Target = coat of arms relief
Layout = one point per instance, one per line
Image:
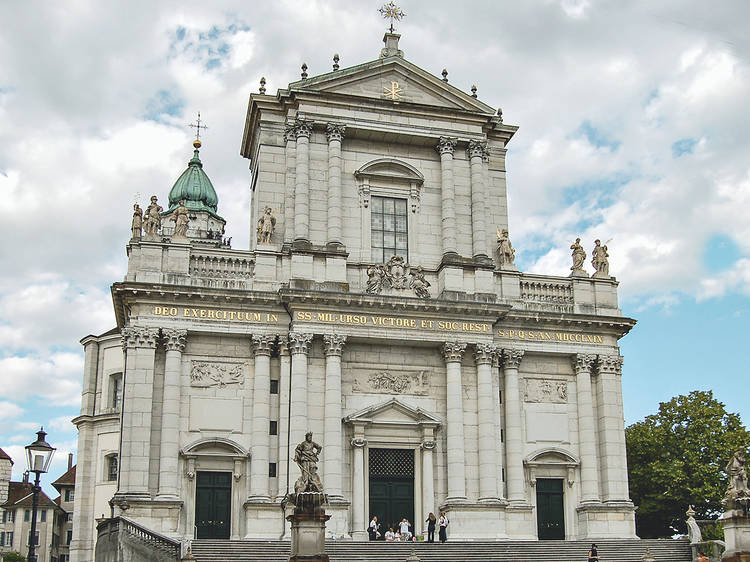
(396, 276)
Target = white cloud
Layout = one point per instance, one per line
(8, 410)
(56, 379)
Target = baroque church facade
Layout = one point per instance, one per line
(379, 308)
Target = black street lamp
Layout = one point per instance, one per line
(38, 457)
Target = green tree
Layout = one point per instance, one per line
(676, 458)
(13, 557)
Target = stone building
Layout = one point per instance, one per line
(376, 308)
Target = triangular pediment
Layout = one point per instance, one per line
(393, 79)
(393, 412)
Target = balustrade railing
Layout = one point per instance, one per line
(232, 270)
(547, 294)
(167, 548)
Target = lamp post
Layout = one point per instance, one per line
(38, 458)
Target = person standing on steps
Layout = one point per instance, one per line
(593, 554)
(431, 521)
(443, 524)
(404, 527)
(372, 530)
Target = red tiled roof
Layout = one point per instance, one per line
(20, 495)
(67, 479)
(4, 455)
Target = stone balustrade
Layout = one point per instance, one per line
(222, 268)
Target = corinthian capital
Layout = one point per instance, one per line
(263, 344)
(453, 351)
(485, 353)
(174, 340)
(138, 336)
(476, 149)
(289, 134)
(284, 346)
(512, 358)
(609, 365)
(299, 343)
(334, 344)
(302, 128)
(335, 132)
(446, 145)
(583, 362)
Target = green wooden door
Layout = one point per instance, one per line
(550, 516)
(391, 486)
(213, 504)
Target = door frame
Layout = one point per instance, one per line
(417, 477)
(562, 507)
(231, 500)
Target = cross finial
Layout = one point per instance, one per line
(392, 12)
(197, 126)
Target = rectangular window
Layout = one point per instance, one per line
(5, 516)
(27, 515)
(273, 427)
(69, 495)
(388, 226)
(12, 515)
(9, 538)
(501, 396)
(43, 516)
(36, 538)
(2, 538)
(116, 390)
(69, 537)
(112, 468)
(272, 469)
(274, 386)
(502, 436)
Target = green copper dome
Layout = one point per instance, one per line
(194, 187)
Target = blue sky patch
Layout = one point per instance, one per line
(720, 253)
(596, 137)
(163, 103)
(207, 47)
(683, 146)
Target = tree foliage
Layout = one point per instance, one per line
(676, 458)
(13, 557)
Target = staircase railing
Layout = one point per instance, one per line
(168, 548)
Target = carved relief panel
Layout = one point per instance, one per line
(389, 382)
(205, 374)
(551, 391)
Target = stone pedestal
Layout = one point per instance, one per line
(309, 528)
(736, 525)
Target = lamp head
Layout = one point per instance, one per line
(39, 453)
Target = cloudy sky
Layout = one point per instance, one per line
(634, 127)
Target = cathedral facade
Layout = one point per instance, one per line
(379, 308)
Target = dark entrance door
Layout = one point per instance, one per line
(213, 503)
(391, 486)
(550, 516)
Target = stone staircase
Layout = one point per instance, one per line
(452, 551)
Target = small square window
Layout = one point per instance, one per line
(69, 537)
(273, 427)
(502, 436)
(274, 386)
(272, 469)
(112, 468)
(43, 516)
(27, 515)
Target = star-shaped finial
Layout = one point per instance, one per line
(392, 12)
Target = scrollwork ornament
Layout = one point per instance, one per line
(334, 344)
(453, 351)
(299, 343)
(174, 340)
(609, 365)
(446, 145)
(428, 444)
(358, 442)
(485, 353)
(512, 358)
(583, 363)
(139, 336)
(263, 344)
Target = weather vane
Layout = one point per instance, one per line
(197, 126)
(393, 12)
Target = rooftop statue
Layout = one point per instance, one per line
(600, 259)
(506, 253)
(136, 226)
(579, 256)
(152, 217)
(266, 226)
(181, 220)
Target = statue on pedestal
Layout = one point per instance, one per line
(152, 217)
(136, 226)
(306, 457)
(181, 220)
(505, 251)
(600, 259)
(737, 486)
(266, 226)
(579, 256)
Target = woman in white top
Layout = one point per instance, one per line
(404, 526)
(443, 524)
(389, 535)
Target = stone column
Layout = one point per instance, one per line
(137, 403)
(261, 440)
(174, 342)
(302, 132)
(613, 462)
(513, 438)
(582, 364)
(476, 153)
(488, 430)
(284, 377)
(445, 147)
(335, 134)
(332, 459)
(452, 352)
(299, 345)
(359, 523)
(498, 423)
(428, 478)
(291, 168)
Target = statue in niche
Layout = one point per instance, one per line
(306, 457)
(152, 217)
(600, 259)
(419, 284)
(579, 256)
(266, 226)
(136, 226)
(735, 469)
(506, 253)
(181, 220)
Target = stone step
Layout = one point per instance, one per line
(452, 551)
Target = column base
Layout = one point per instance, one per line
(264, 520)
(604, 520)
(475, 520)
